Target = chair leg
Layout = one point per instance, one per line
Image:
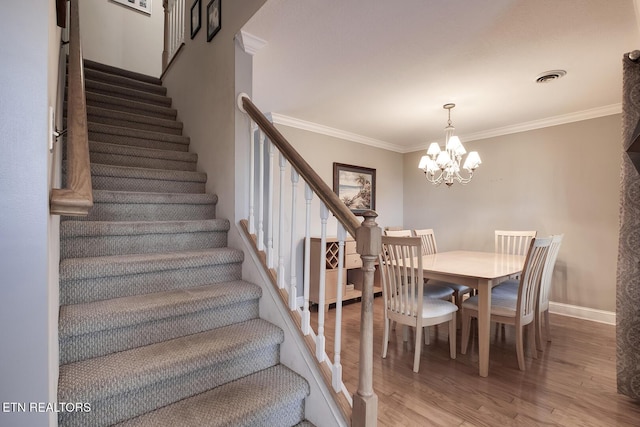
(466, 320)
(405, 333)
(538, 330)
(427, 335)
(453, 330)
(532, 339)
(416, 357)
(385, 338)
(457, 297)
(519, 347)
(547, 325)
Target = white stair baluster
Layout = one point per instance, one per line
(336, 374)
(261, 193)
(306, 315)
(281, 273)
(272, 152)
(294, 280)
(252, 179)
(320, 339)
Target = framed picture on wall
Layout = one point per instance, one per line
(355, 186)
(141, 5)
(214, 19)
(196, 16)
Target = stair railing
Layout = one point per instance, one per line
(174, 30)
(266, 227)
(77, 198)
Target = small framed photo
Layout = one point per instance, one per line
(213, 18)
(355, 186)
(140, 5)
(196, 15)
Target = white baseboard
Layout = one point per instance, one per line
(601, 316)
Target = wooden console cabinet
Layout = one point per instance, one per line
(351, 273)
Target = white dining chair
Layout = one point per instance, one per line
(509, 289)
(519, 312)
(434, 290)
(404, 300)
(430, 247)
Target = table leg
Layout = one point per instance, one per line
(484, 327)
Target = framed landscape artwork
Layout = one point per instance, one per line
(141, 5)
(355, 186)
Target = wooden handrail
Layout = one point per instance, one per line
(317, 184)
(77, 198)
(368, 244)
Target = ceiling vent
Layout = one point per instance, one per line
(549, 76)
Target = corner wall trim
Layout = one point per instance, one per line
(586, 313)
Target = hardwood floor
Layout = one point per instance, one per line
(572, 383)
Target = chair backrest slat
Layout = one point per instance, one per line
(429, 246)
(513, 242)
(401, 271)
(530, 278)
(547, 272)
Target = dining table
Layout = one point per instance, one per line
(478, 270)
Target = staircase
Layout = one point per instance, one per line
(157, 327)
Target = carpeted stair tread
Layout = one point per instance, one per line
(125, 228)
(121, 72)
(78, 319)
(132, 156)
(305, 423)
(127, 93)
(147, 206)
(102, 238)
(133, 197)
(130, 264)
(131, 120)
(118, 80)
(257, 400)
(129, 106)
(118, 131)
(117, 373)
(124, 178)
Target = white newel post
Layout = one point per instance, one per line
(336, 375)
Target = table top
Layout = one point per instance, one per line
(482, 265)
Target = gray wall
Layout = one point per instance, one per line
(320, 151)
(561, 179)
(118, 35)
(26, 75)
(201, 83)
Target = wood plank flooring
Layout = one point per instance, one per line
(572, 383)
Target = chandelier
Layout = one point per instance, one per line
(444, 165)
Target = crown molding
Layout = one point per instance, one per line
(578, 116)
(593, 113)
(329, 131)
(250, 43)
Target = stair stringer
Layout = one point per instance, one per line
(320, 405)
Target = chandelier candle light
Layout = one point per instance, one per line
(446, 163)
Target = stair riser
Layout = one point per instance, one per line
(116, 104)
(115, 80)
(147, 212)
(141, 184)
(127, 93)
(90, 246)
(95, 118)
(121, 407)
(137, 142)
(75, 291)
(100, 343)
(142, 162)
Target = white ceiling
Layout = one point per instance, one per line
(379, 72)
